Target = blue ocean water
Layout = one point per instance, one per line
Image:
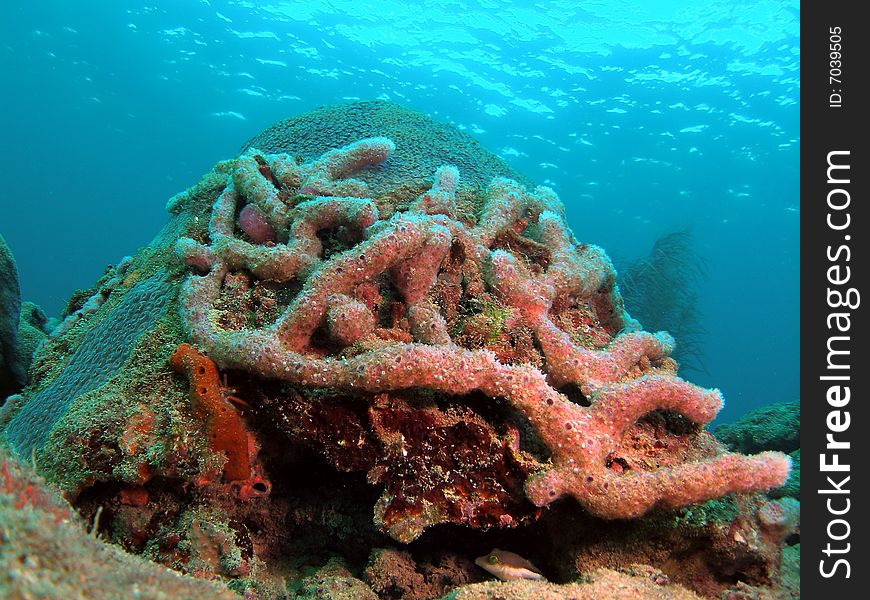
(645, 117)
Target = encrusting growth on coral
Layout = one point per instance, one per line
(224, 425)
(312, 229)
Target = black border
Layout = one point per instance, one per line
(825, 129)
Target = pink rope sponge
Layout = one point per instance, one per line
(314, 232)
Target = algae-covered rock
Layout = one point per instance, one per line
(33, 329)
(23, 327)
(639, 582)
(333, 581)
(47, 552)
(12, 373)
(772, 427)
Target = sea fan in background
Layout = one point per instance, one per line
(662, 292)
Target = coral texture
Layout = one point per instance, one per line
(334, 252)
(104, 350)
(33, 328)
(46, 551)
(422, 145)
(772, 427)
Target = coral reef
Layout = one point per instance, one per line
(623, 381)
(333, 581)
(792, 486)
(365, 352)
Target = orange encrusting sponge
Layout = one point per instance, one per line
(224, 425)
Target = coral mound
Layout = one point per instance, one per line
(431, 262)
(366, 332)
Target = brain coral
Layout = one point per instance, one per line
(421, 145)
(102, 352)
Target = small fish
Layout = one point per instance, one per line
(508, 566)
